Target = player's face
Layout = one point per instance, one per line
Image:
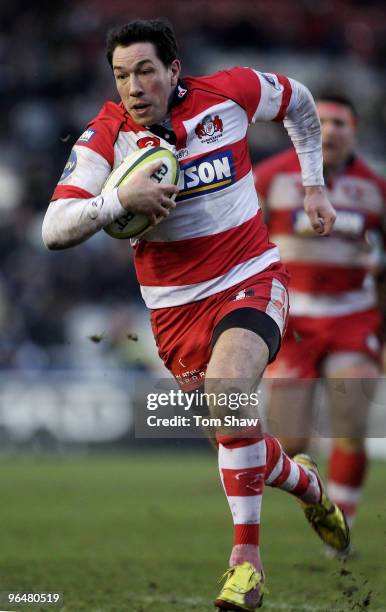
(144, 83)
(338, 132)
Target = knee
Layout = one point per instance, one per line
(223, 396)
(238, 354)
(349, 428)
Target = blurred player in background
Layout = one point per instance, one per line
(334, 328)
(214, 283)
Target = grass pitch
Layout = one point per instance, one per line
(153, 532)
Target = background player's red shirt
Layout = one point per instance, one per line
(330, 275)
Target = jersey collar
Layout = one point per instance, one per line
(179, 94)
(165, 131)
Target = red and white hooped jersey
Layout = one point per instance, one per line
(331, 275)
(214, 238)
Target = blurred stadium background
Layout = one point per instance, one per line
(65, 317)
(75, 340)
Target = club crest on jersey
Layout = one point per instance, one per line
(210, 129)
(69, 167)
(206, 174)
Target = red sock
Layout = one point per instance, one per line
(242, 468)
(285, 474)
(346, 474)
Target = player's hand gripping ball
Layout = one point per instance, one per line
(132, 225)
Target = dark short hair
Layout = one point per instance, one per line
(338, 99)
(156, 31)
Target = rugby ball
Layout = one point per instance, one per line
(132, 225)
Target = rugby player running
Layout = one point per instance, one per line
(214, 284)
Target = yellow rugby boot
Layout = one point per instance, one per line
(243, 589)
(325, 517)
